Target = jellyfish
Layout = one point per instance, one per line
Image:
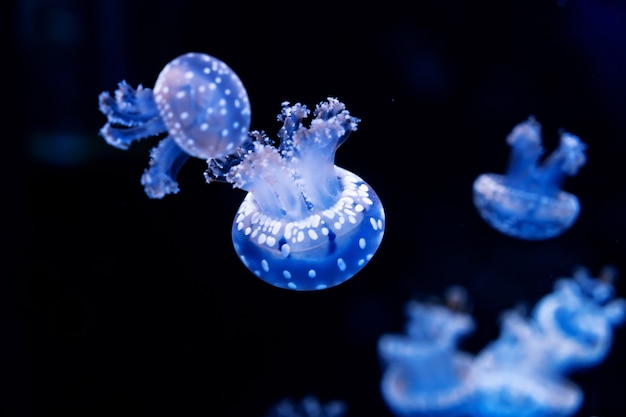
(426, 375)
(198, 102)
(578, 318)
(528, 202)
(305, 223)
(523, 373)
(309, 406)
(514, 375)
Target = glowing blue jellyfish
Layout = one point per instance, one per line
(308, 407)
(527, 202)
(197, 100)
(579, 317)
(426, 375)
(514, 375)
(305, 224)
(523, 373)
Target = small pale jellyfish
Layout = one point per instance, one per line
(305, 224)
(197, 100)
(528, 203)
(426, 374)
(578, 318)
(524, 372)
(514, 375)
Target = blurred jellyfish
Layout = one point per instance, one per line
(521, 374)
(515, 377)
(527, 202)
(578, 319)
(425, 373)
(309, 406)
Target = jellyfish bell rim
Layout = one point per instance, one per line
(439, 402)
(307, 267)
(550, 396)
(510, 210)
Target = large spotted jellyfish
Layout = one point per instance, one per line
(198, 101)
(528, 203)
(305, 223)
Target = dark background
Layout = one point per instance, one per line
(117, 305)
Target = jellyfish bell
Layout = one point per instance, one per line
(527, 202)
(204, 105)
(523, 214)
(317, 251)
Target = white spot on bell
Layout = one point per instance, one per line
(341, 264)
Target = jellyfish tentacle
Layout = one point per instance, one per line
(314, 151)
(526, 149)
(291, 117)
(122, 138)
(305, 224)
(567, 159)
(134, 111)
(130, 107)
(166, 159)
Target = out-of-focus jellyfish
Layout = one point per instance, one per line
(305, 224)
(514, 375)
(197, 100)
(309, 406)
(527, 202)
(521, 374)
(578, 319)
(426, 375)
